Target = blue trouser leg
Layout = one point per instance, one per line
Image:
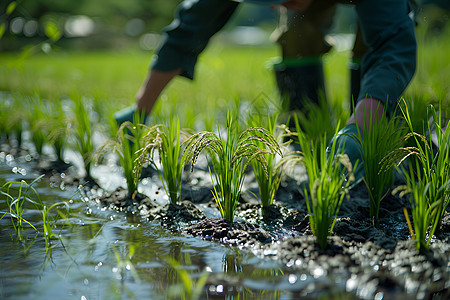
(389, 65)
(196, 21)
(386, 68)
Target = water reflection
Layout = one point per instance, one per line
(105, 254)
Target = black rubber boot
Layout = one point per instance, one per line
(355, 83)
(300, 85)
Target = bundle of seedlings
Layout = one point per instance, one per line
(127, 143)
(318, 119)
(57, 126)
(19, 196)
(35, 118)
(230, 156)
(377, 141)
(167, 140)
(329, 177)
(12, 119)
(428, 177)
(268, 180)
(81, 132)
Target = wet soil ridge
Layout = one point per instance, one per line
(364, 260)
(381, 259)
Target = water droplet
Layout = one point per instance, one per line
(351, 283)
(290, 263)
(292, 278)
(219, 288)
(379, 296)
(318, 272)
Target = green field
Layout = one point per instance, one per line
(223, 73)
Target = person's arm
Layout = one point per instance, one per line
(194, 24)
(153, 85)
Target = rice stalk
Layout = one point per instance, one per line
(82, 133)
(268, 180)
(428, 178)
(126, 144)
(232, 155)
(35, 118)
(168, 141)
(377, 142)
(17, 194)
(328, 183)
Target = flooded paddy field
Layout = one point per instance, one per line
(107, 248)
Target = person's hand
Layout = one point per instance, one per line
(297, 4)
(129, 114)
(348, 141)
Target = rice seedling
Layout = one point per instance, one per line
(230, 157)
(126, 145)
(82, 133)
(376, 143)
(431, 170)
(125, 264)
(321, 118)
(268, 180)
(57, 125)
(422, 212)
(167, 140)
(328, 183)
(16, 203)
(35, 118)
(191, 288)
(49, 223)
(11, 118)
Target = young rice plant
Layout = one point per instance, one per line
(17, 194)
(431, 192)
(167, 140)
(377, 142)
(268, 180)
(328, 183)
(233, 155)
(82, 132)
(126, 145)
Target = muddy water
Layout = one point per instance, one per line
(105, 254)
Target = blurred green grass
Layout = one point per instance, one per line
(223, 73)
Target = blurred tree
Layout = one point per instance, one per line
(110, 16)
(156, 13)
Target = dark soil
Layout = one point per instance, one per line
(371, 260)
